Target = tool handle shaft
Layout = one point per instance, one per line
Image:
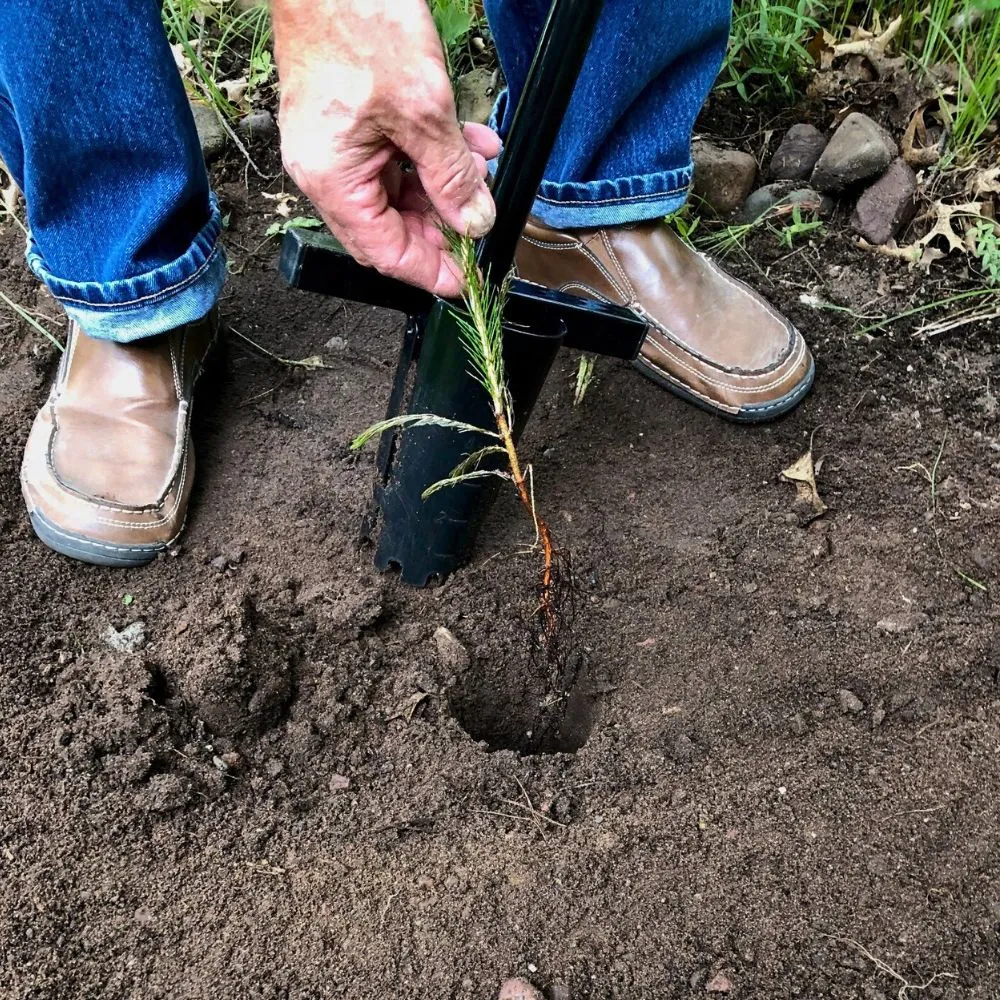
(548, 89)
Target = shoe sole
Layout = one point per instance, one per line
(88, 551)
(745, 415)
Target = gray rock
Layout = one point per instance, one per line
(722, 177)
(474, 96)
(859, 151)
(779, 198)
(796, 157)
(259, 125)
(129, 640)
(452, 654)
(211, 134)
(850, 703)
(336, 344)
(888, 205)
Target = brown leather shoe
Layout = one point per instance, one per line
(712, 340)
(108, 467)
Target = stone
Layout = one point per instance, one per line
(888, 205)
(722, 177)
(474, 96)
(259, 125)
(859, 150)
(452, 654)
(518, 989)
(129, 640)
(766, 202)
(211, 134)
(850, 703)
(336, 343)
(719, 983)
(797, 154)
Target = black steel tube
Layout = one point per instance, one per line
(554, 71)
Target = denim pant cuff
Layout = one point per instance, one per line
(129, 309)
(612, 202)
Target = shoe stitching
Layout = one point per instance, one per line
(798, 345)
(588, 254)
(749, 293)
(115, 522)
(663, 373)
(168, 515)
(632, 297)
(784, 403)
(548, 246)
(175, 459)
(593, 292)
(715, 382)
(157, 546)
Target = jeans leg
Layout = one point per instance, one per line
(624, 151)
(96, 127)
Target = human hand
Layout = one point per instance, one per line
(370, 134)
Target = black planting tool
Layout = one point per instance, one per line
(427, 539)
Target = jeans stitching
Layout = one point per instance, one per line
(621, 200)
(146, 299)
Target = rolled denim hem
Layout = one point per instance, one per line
(129, 309)
(612, 203)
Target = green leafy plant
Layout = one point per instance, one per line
(228, 47)
(585, 375)
(455, 20)
(986, 239)
(481, 332)
(299, 222)
(796, 228)
(767, 55)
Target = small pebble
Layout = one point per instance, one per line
(130, 640)
(849, 702)
(719, 983)
(452, 654)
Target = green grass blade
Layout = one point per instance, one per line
(417, 420)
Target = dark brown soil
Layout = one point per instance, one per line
(790, 735)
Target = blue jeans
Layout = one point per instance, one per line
(96, 129)
(624, 152)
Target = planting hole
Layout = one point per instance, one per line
(516, 706)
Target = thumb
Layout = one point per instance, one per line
(451, 178)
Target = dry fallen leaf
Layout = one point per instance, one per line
(915, 255)
(234, 89)
(915, 146)
(985, 182)
(803, 474)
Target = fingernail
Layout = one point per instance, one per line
(479, 214)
